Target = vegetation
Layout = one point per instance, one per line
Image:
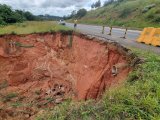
(9, 96)
(16, 104)
(77, 14)
(96, 4)
(137, 99)
(128, 13)
(112, 1)
(7, 15)
(49, 17)
(32, 27)
(81, 13)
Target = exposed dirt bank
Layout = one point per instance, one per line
(46, 69)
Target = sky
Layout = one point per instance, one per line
(51, 7)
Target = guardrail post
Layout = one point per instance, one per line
(110, 32)
(125, 34)
(103, 29)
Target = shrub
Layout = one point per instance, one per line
(125, 12)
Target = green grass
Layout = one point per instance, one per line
(16, 104)
(128, 13)
(9, 97)
(32, 27)
(137, 99)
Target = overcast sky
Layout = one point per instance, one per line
(52, 7)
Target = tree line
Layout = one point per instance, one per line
(8, 15)
(108, 2)
(96, 4)
(82, 12)
(76, 14)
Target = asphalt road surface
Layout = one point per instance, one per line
(116, 36)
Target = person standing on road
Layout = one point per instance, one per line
(75, 23)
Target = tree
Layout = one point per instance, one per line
(7, 15)
(15, 17)
(96, 4)
(73, 13)
(20, 12)
(80, 13)
(29, 16)
(108, 2)
(2, 22)
(93, 6)
(76, 14)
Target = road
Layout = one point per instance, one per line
(117, 34)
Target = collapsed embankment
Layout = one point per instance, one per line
(45, 69)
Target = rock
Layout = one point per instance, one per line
(27, 115)
(63, 89)
(59, 100)
(40, 40)
(54, 93)
(147, 8)
(49, 92)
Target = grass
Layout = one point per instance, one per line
(32, 27)
(137, 99)
(16, 104)
(9, 97)
(128, 13)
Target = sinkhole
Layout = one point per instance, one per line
(61, 65)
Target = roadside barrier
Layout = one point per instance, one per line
(110, 32)
(125, 34)
(103, 29)
(156, 38)
(150, 36)
(146, 33)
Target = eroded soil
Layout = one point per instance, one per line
(43, 70)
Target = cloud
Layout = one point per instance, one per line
(52, 7)
(62, 3)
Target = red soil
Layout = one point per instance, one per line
(54, 69)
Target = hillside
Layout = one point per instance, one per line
(129, 13)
